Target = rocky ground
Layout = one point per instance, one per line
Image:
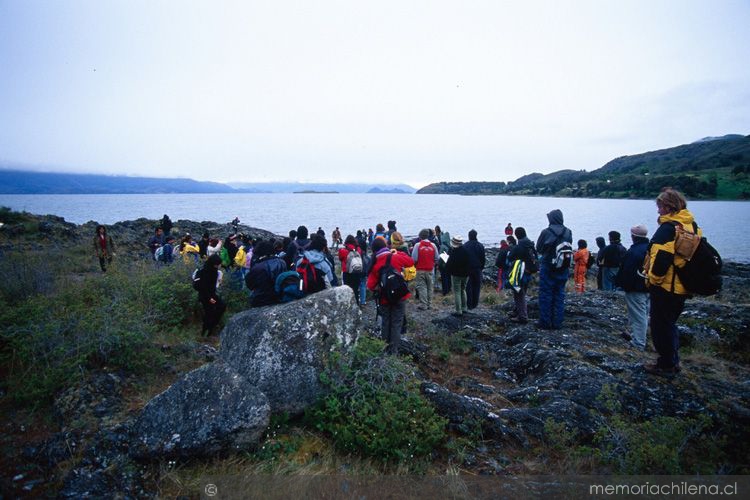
(497, 381)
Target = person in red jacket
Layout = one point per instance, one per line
(425, 255)
(392, 315)
(349, 277)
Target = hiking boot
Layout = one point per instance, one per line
(626, 336)
(520, 321)
(654, 369)
(458, 315)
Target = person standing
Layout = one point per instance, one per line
(630, 279)
(352, 277)
(600, 244)
(458, 269)
(666, 291)
(425, 255)
(203, 245)
(581, 262)
(261, 278)
(552, 278)
(445, 248)
(213, 306)
(508, 230)
(156, 240)
(392, 315)
(104, 248)
(477, 260)
(611, 260)
(523, 250)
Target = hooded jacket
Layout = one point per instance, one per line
(662, 259)
(550, 237)
(261, 280)
(318, 259)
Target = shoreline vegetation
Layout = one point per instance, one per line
(83, 352)
(710, 169)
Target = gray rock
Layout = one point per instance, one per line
(464, 412)
(282, 349)
(212, 408)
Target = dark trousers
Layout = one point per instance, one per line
(393, 317)
(473, 286)
(552, 297)
(103, 261)
(212, 314)
(665, 310)
(519, 298)
(352, 281)
(445, 281)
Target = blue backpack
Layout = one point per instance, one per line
(289, 286)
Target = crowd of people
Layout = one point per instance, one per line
(393, 269)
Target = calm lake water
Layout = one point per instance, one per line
(723, 222)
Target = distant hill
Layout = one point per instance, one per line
(14, 181)
(296, 187)
(711, 168)
(26, 182)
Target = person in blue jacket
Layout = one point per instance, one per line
(552, 280)
(633, 282)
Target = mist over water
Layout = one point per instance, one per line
(723, 222)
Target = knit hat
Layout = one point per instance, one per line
(457, 241)
(639, 230)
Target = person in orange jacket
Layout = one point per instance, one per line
(581, 259)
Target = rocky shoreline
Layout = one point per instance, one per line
(514, 384)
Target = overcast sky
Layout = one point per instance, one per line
(380, 91)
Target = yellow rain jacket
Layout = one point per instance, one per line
(661, 259)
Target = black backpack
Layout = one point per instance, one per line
(393, 286)
(701, 274)
(195, 278)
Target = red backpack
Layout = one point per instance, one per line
(426, 251)
(312, 277)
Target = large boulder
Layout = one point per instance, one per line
(210, 409)
(282, 349)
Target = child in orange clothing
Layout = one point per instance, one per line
(581, 259)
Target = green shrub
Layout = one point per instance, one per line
(375, 406)
(50, 341)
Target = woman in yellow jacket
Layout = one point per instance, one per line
(189, 250)
(666, 291)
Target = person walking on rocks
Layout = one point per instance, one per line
(477, 260)
(554, 268)
(611, 260)
(458, 268)
(630, 279)
(213, 306)
(104, 248)
(392, 315)
(425, 255)
(666, 290)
